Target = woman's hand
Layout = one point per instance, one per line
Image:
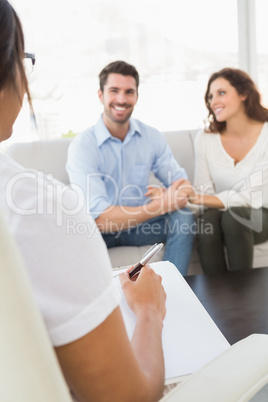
(197, 199)
(209, 201)
(185, 187)
(146, 292)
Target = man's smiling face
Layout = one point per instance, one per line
(119, 96)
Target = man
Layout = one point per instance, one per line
(112, 162)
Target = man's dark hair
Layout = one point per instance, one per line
(118, 67)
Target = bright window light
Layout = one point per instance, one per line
(175, 45)
(262, 47)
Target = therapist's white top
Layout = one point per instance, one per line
(64, 253)
(241, 184)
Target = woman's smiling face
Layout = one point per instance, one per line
(225, 102)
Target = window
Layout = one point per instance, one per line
(262, 48)
(174, 44)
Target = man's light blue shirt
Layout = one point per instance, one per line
(115, 172)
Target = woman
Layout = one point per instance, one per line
(71, 274)
(231, 175)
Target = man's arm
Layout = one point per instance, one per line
(104, 365)
(119, 217)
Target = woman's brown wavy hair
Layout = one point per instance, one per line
(244, 85)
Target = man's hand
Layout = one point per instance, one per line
(176, 196)
(185, 187)
(173, 198)
(119, 217)
(155, 192)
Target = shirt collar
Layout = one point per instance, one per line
(133, 127)
(102, 133)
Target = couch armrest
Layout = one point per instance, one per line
(29, 369)
(236, 375)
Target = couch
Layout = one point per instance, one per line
(49, 156)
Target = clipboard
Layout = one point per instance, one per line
(190, 337)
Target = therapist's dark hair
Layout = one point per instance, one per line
(244, 85)
(118, 67)
(11, 49)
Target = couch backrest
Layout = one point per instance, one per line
(50, 156)
(181, 143)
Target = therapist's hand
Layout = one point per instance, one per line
(146, 293)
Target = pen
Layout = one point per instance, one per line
(145, 259)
